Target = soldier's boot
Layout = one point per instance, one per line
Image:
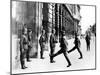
(23, 65)
(27, 55)
(41, 55)
(28, 60)
(68, 65)
(81, 56)
(51, 59)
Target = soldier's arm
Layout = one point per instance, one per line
(21, 41)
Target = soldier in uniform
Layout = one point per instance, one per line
(52, 44)
(42, 42)
(23, 48)
(87, 38)
(77, 46)
(63, 45)
(29, 44)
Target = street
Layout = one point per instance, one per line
(44, 65)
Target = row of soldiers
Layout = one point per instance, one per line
(25, 45)
(63, 46)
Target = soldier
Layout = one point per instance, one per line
(63, 45)
(42, 42)
(77, 46)
(52, 44)
(23, 48)
(29, 44)
(87, 38)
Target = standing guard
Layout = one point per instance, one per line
(87, 38)
(29, 44)
(53, 41)
(42, 42)
(23, 48)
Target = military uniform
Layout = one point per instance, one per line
(87, 38)
(23, 49)
(42, 42)
(52, 46)
(29, 46)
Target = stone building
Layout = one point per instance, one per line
(61, 17)
(38, 16)
(70, 18)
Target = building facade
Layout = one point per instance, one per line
(62, 17)
(71, 18)
(39, 16)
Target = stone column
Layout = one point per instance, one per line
(58, 21)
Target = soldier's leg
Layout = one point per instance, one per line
(52, 51)
(27, 54)
(89, 45)
(54, 55)
(66, 57)
(80, 53)
(72, 49)
(41, 53)
(22, 59)
(24, 55)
